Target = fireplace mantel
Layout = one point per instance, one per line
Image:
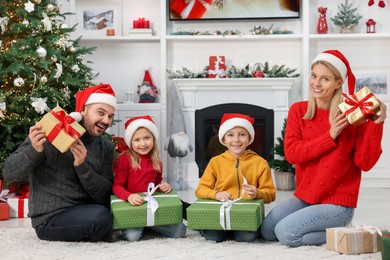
(194, 94)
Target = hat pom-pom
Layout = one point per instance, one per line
(76, 116)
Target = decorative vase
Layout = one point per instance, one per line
(284, 181)
(346, 28)
(322, 25)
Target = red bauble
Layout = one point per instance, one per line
(258, 74)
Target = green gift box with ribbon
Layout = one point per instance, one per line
(245, 215)
(169, 211)
(386, 246)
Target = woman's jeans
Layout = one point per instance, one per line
(83, 222)
(172, 231)
(297, 223)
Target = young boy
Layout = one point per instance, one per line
(224, 176)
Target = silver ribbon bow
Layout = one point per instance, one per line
(5, 195)
(152, 204)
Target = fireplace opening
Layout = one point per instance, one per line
(207, 122)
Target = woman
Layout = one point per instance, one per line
(329, 155)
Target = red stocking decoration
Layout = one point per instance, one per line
(370, 3)
(382, 4)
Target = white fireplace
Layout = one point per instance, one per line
(195, 94)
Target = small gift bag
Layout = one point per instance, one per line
(360, 106)
(386, 246)
(61, 129)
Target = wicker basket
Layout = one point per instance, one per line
(284, 180)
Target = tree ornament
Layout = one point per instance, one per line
(29, 7)
(39, 105)
(18, 82)
(37, 1)
(53, 58)
(3, 23)
(59, 71)
(43, 79)
(50, 7)
(66, 92)
(46, 22)
(72, 49)
(25, 22)
(63, 26)
(75, 68)
(41, 52)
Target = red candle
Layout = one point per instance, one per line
(110, 32)
(141, 22)
(147, 24)
(136, 24)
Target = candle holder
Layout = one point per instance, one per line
(129, 96)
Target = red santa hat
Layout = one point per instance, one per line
(136, 122)
(338, 60)
(148, 78)
(230, 121)
(97, 94)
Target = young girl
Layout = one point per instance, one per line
(138, 167)
(224, 175)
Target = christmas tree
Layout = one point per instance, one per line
(40, 67)
(346, 17)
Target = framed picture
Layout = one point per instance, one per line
(95, 18)
(231, 10)
(376, 79)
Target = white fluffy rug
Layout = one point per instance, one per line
(22, 243)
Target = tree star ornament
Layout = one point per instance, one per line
(18, 82)
(41, 52)
(46, 22)
(75, 68)
(40, 105)
(29, 7)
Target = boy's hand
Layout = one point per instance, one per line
(223, 195)
(135, 200)
(165, 187)
(250, 190)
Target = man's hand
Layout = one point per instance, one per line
(79, 152)
(37, 137)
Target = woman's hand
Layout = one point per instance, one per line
(135, 200)
(165, 187)
(37, 137)
(337, 126)
(250, 190)
(223, 195)
(383, 110)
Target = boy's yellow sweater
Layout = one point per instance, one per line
(225, 173)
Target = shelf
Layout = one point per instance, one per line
(350, 36)
(273, 37)
(129, 38)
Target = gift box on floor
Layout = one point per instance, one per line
(4, 211)
(360, 106)
(169, 211)
(245, 215)
(61, 129)
(386, 246)
(18, 207)
(190, 9)
(354, 240)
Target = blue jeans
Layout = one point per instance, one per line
(172, 231)
(222, 235)
(297, 223)
(91, 222)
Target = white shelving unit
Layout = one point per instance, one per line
(121, 59)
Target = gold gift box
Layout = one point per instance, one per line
(358, 113)
(351, 240)
(55, 132)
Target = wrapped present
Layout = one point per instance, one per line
(360, 106)
(386, 246)
(193, 9)
(245, 215)
(354, 240)
(4, 211)
(61, 130)
(160, 209)
(217, 67)
(11, 187)
(18, 207)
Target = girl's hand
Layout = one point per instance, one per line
(165, 187)
(250, 190)
(379, 119)
(135, 199)
(37, 137)
(223, 195)
(337, 126)
(79, 152)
